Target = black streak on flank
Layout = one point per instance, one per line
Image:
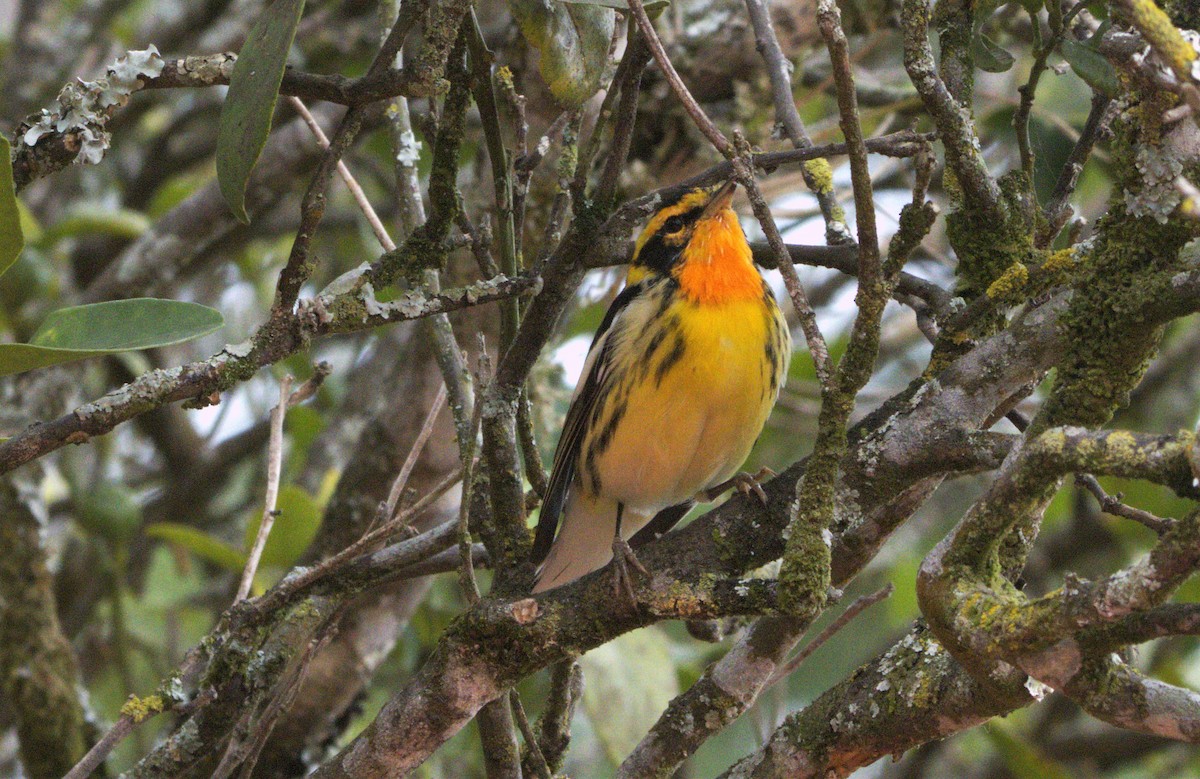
(593, 473)
(606, 434)
(674, 356)
(652, 348)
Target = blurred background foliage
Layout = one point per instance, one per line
(149, 525)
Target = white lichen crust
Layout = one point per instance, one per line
(84, 107)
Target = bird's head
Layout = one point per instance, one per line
(698, 240)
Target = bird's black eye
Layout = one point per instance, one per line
(673, 225)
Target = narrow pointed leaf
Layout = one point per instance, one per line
(198, 543)
(92, 220)
(71, 334)
(990, 56)
(250, 102)
(1091, 66)
(294, 529)
(11, 238)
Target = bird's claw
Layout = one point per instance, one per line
(745, 484)
(623, 560)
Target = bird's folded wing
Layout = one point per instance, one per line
(587, 394)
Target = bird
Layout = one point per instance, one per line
(677, 385)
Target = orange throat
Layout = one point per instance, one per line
(716, 266)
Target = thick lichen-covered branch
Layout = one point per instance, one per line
(912, 694)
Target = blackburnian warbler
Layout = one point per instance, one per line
(677, 385)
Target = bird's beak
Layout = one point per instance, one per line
(720, 200)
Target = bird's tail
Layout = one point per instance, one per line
(584, 540)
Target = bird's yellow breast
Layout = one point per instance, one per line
(690, 387)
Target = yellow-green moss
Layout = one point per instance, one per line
(141, 708)
(819, 175)
(1156, 27)
(1110, 343)
(1010, 284)
(1060, 263)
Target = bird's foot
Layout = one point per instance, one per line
(623, 561)
(744, 482)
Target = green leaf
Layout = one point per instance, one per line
(250, 102)
(198, 543)
(572, 42)
(1097, 8)
(1091, 66)
(294, 529)
(637, 671)
(990, 56)
(71, 334)
(121, 222)
(29, 223)
(11, 238)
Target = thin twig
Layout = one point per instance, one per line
(637, 55)
(405, 151)
(405, 147)
(298, 582)
(274, 468)
(414, 453)
(791, 280)
(1058, 210)
(554, 728)
(308, 389)
(1111, 504)
(626, 70)
(485, 100)
(101, 750)
(853, 610)
(466, 567)
(356, 191)
(829, 21)
(121, 729)
(445, 561)
(528, 162)
(531, 742)
(530, 452)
